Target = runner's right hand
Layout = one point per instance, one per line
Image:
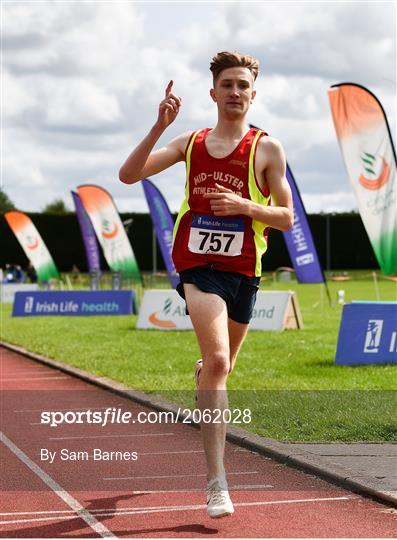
(169, 107)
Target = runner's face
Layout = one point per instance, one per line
(233, 91)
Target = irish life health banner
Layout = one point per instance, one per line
(109, 229)
(163, 225)
(370, 159)
(88, 234)
(299, 240)
(33, 245)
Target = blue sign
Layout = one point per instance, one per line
(368, 334)
(215, 223)
(299, 239)
(27, 304)
(163, 223)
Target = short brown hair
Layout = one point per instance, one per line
(225, 59)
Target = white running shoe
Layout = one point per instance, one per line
(199, 365)
(218, 500)
(197, 371)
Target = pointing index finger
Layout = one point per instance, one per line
(169, 88)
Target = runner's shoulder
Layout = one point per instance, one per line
(180, 142)
(271, 149)
(270, 144)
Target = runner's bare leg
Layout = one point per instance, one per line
(237, 334)
(208, 313)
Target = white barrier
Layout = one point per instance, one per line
(276, 310)
(8, 290)
(165, 310)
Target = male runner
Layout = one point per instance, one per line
(220, 234)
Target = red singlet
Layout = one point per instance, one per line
(230, 243)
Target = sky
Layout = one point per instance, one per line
(82, 80)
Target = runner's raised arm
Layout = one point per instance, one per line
(142, 162)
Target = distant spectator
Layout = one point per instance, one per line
(20, 276)
(31, 273)
(10, 274)
(75, 273)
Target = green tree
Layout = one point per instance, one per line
(6, 203)
(57, 206)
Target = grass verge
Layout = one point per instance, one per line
(288, 380)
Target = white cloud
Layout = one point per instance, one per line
(78, 103)
(17, 98)
(341, 201)
(82, 82)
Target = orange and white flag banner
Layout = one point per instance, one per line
(109, 229)
(32, 244)
(368, 152)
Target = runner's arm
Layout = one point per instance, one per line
(142, 162)
(281, 215)
(228, 203)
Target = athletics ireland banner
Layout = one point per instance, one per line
(109, 229)
(88, 234)
(163, 225)
(370, 159)
(299, 240)
(33, 245)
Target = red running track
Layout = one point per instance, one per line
(159, 494)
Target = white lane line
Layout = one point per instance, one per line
(97, 510)
(149, 453)
(68, 409)
(173, 476)
(242, 487)
(81, 512)
(34, 378)
(30, 371)
(249, 486)
(156, 509)
(35, 520)
(171, 452)
(111, 436)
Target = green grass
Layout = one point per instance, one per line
(288, 379)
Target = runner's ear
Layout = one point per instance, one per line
(212, 94)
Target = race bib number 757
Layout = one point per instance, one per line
(218, 235)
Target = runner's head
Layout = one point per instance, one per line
(233, 75)
(224, 60)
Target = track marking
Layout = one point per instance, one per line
(171, 452)
(105, 512)
(28, 372)
(111, 436)
(34, 378)
(241, 487)
(76, 409)
(35, 520)
(81, 512)
(250, 486)
(95, 511)
(173, 476)
(150, 453)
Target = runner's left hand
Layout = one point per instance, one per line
(226, 202)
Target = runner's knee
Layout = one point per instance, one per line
(218, 364)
